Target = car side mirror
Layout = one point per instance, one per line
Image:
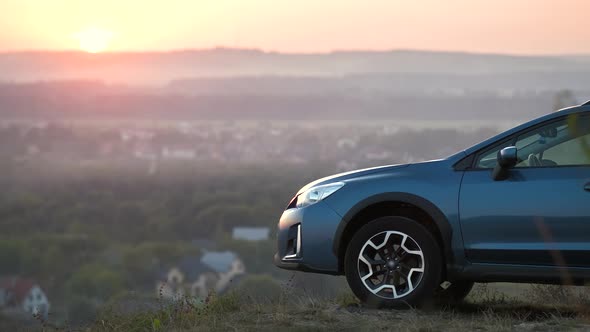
(507, 158)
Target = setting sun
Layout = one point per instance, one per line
(94, 40)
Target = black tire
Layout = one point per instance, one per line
(423, 292)
(455, 293)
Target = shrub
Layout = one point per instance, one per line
(81, 310)
(259, 288)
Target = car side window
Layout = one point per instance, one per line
(531, 145)
(570, 153)
(489, 158)
(561, 143)
(564, 142)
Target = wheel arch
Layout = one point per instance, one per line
(394, 203)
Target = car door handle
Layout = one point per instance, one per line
(587, 186)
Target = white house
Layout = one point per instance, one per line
(251, 233)
(178, 152)
(194, 276)
(23, 296)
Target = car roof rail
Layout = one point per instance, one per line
(586, 103)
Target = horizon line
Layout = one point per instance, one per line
(278, 52)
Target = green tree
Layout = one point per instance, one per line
(259, 288)
(10, 257)
(95, 281)
(80, 310)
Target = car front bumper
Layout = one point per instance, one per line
(305, 239)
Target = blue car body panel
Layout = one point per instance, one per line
(527, 227)
(530, 218)
(435, 183)
(318, 235)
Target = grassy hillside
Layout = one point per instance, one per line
(488, 308)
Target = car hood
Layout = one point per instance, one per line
(351, 175)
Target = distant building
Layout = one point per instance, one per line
(346, 143)
(134, 134)
(379, 155)
(20, 296)
(198, 276)
(145, 153)
(251, 233)
(178, 152)
(345, 166)
(33, 150)
(220, 261)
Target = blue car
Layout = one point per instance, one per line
(514, 208)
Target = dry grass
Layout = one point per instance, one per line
(487, 309)
(493, 307)
(330, 316)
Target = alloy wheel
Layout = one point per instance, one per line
(391, 264)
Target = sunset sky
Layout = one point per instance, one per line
(499, 26)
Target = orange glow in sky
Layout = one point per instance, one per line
(499, 26)
(94, 40)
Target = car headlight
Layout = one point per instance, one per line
(316, 194)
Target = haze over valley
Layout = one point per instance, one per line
(233, 84)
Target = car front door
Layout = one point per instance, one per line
(539, 215)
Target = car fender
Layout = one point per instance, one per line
(437, 215)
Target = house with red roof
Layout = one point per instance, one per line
(22, 296)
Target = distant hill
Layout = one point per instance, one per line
(222, 84)
(86, 100)
(156, 68)
(423, 84)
